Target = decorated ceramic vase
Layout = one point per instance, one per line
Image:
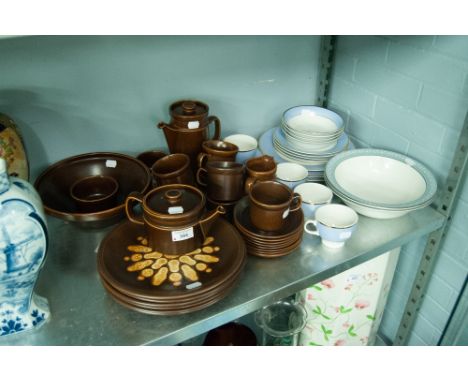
(12, 148)
(23, 246)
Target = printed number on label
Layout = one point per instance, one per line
(183, 234)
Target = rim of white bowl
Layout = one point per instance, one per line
(425, 199)
(253, 144)
(304, 175)
(319, 186)
(317, 110)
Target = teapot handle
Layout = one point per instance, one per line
(133, 198)
(217, 126)
(205, 224)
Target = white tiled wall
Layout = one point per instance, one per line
(410, 94)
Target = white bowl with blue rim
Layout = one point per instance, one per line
(379, 183)
(313, 195)
(312, 121)
(247, 146)
(334, 223)
(291, 174)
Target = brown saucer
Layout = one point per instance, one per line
(53, 185)
(274, 253)
(113, 268)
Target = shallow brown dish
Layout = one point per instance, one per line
(113, 268)
(54, 185)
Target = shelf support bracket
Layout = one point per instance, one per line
(435, 239)
(327, 56)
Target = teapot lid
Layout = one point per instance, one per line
(188, 108)
(174, 203)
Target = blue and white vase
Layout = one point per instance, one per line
(23, 247)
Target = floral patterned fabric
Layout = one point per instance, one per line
(347, 308)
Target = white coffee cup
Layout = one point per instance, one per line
(291, 174)
(334, 223)
(313, 196)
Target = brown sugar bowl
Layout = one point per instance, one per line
(173, 216)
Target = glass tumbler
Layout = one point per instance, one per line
(281, 323)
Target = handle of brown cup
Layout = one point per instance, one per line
(297, 200)
(217, 126)
(201, 159)
(199, 180)
(249, 182)
(132, 199)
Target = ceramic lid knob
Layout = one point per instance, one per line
(189, 107)
(173, 196)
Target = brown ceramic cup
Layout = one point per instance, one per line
(172, 169)
(174, 217)
(270, 204)
(94, 193)
(260, 168)
(216, 150)
(224, 180)
(150, 157)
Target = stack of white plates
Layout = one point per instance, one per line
(310, 136)
(379, 183)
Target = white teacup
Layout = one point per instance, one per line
(334, 223)
(291, 174)
(313, 196)
(247, 146)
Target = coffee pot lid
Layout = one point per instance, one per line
(188, 108)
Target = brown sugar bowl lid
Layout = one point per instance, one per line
(174, 205)
(189, 109)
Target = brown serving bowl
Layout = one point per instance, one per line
(53, 185)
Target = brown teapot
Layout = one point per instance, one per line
(174, 217)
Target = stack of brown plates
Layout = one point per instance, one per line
(269, 244)
(128, 271)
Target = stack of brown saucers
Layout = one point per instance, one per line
(269, 244)
(127, 266)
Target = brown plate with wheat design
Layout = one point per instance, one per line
(115, 259)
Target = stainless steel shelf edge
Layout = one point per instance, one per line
(83, 313)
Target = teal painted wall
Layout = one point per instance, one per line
(71, 95)
(410, 94)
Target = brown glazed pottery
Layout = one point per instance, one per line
(216, 150)
(94, 193)
(138, 293)
(230, 334)
(53, 185)
(269, 244)
(172, 169)
(270, 204)
(191, 114)
(228, 207)
(260, 168)
(224, 180)
(173, 217)
(188, 128)
(150, 157)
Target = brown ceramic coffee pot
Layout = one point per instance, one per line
(174, 218)
(189, 128)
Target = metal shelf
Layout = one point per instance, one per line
(83, 313)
